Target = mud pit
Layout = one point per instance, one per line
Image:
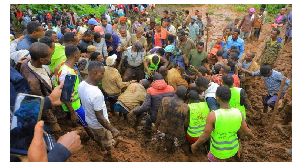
(268, 146)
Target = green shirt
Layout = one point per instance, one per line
(196, 59)
(58, 57)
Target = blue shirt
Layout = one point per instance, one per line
(273, 82)
(115, 43)
(178, 60)
(107, 29)
(239, 43)
(25, 43)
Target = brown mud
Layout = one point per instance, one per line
(269, 145)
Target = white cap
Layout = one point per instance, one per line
(111, 60)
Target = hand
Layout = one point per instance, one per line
(118, 49)
(21, 37)
(71, 141)
(206, 65)
(124, 48)
(23, 59)
(114, 132)
(110, 48)
(55, 94)
(154, 129)
(38, 145)
(80, 37)
(132, 81)
(150, 73)
(193, 148)
(184, 74)
(193, 67)
(74, 118)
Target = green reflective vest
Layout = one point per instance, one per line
(76, 102)
(58, 57)
(224, 140)
(152, 65)
(198, 114)
(235, 99)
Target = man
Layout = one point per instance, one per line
(273, 81)
(233, 25)
(93, 103)
(239, 97)
(219, 44)
(151, 28)
(38, 77)
(280, 20)
(174, 56)
(199, 22)
(35, 31)
(92, 23)
(66, 17)
(194, 30)
(164, 72)
(40, 17)
(113, 44)
(174, 21)
(227, 33)
(272, 49)
(172, 29)
(152, 63)
(86, 41)
(224, 120)
(234, 40)
(158, 90)
(248, 62)
(133, 97)
(47, 16)
(209, 90)
(258, 22)
(106, 28)
(198, 113)
(73, 17)
(134, 25)
(196, 58)
(112, 82)
(29, 11)
(83, 62)
(184, 27)
(100, 44)
(138, 37)
(185, 44)
(288, 30)
(121, 24)
(174, 77)
(187, 16)
(59, 55)
(173, 119)
(165, 16)
(144, 26)
(246, 25)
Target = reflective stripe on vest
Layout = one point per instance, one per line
(76, 102)
(224, 141)
(198, 114)
(235, 100)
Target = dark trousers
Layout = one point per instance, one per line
(134, 73)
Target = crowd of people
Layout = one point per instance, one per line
(130, 64)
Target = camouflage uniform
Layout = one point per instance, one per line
(173, 118)
(271, 52)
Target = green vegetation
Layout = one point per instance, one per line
(80, 9)
(218, 14)
(210, 12)
(272, 9)
(268, 19)
(228, 19)
(211, 6)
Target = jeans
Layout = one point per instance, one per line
(112, 102)
(270, 100)
(212, 103)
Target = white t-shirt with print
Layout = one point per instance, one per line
(92, 100)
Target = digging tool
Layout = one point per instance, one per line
(276, 103)
(120, 139)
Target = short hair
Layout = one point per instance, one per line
(166, 11)
(226, 68)
(63, 29)
(202, 70)
(201, 81)
(223, 93)
(263, 6)
(227, 80)
(194, 95)
(157, 24)
(234, 56)
(103, 18)
(187, 11)
(97, 35)
(200, 43)
(253, 53)
(33, 26)
(229, 28)
(237, 30)
(237, 19)
(70, 50)
(94, 56)
(144, 14)
(141, 17)
(88, 33)
(171, 37)
(217, 68)
(181, 32)
(233, 47)
(265, 69)
(94, 65)
(158, 76)
(161, 51)
(231, 65)
(165, 20)
(220, 53)
(38, 50)
(49, 33)
(47, 40)
(108, 36)
(236, 51)
(68, 37)
(146, 83)
(181, 91)
(262, 9)
(132, 17)
(155, 58)
(173, 12)
(277, 31)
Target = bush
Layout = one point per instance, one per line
(228, 19)
(210, 12)
(268, 19)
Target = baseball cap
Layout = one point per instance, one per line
(169, 48)
(91, 48)
(194, 18)
(252, 10)
(111, 60)
(92, 21)
(55, 7)
(122, 18)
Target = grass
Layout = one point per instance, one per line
(268, 19)
(210, 12)
(228, 19)
(218, 14)
(215, 6)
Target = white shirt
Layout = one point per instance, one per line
(172, 30)
(42, 72)
(92, 100)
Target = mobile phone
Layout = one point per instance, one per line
(68, 87)
(27, 112)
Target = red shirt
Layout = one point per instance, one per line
(218, 79)
(19, 14)
(219, 47)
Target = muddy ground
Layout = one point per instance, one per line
(269, 144)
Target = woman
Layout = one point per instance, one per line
(139, 38)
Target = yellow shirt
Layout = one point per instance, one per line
(273, 42)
